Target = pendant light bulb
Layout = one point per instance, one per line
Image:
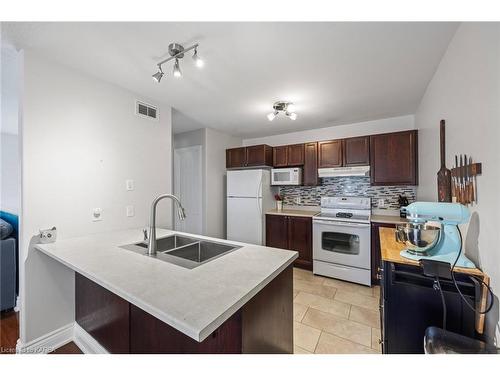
(271, 116)
(197, 60)
(177, 69)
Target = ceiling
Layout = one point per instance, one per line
(334, 72)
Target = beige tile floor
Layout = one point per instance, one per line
(333, 316)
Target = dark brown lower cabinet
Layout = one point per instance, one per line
(103, 314)
(291, 233)
(263, 325)
(376, 257)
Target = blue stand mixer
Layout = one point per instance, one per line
(432, 232)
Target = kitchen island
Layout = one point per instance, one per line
(240, 302)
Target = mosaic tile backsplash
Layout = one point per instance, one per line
(347, 186)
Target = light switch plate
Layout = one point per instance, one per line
(381, 203)
(96, 214)
(129, 185)
(130, 211)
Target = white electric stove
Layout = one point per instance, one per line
(341, 239)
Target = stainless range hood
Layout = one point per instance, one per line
(362, 171)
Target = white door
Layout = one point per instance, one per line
(246, 183)
(245, 220)
(188, 182)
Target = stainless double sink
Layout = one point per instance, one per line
(184, 251)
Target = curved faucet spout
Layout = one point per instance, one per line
(152, 220)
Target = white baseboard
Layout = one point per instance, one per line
(86, 343)
(47, 342)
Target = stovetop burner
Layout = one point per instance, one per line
(345, 215)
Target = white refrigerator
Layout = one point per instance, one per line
(249, 196)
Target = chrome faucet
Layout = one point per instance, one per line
(152, 221)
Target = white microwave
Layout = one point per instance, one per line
(286, 176)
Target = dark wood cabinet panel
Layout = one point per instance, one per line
(300, 239)
(330, 154)
(268, 317)
(277, 231)
(236, 157)
(376, 257)
(259, 155)
(310, 175)
(150, 335)
(291, 233)
(103, 314)
(280, 156)
(393, 158)
(356, 151)
(252, 156)
(295, 155)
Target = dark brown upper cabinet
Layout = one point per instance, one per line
(330, 154)
(280, 156)
(394, 158)
(310, 175)
(288, 156)
(356, 151)
(251, 156)
(236, 157)
(295, 155)
(259, 155)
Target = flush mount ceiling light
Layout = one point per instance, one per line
(287, 108)
(176, 52)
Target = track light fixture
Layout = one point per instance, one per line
(158, 75)
(287, 108)
(176, 52)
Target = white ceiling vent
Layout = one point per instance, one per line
(146, 110)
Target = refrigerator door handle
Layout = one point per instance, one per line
(257, 196)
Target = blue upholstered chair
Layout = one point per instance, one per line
(9, 268)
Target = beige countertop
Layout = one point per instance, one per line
(293, 212)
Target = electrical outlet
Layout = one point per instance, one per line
(298, 200)
(129, 185)
(130, 211)
(97, 214)
(381, 203)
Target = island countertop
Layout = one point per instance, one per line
(194, 301)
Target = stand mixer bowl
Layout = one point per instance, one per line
(418, 238)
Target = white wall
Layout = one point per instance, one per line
(216, 144)
(339, 131)
(465, 91)
(10, 187)
(81, 140)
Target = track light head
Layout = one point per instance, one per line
(177, 69)
(197, 60)
(158, 75)
(292, 116)
(272, 115)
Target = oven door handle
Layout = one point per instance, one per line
(341, 224)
